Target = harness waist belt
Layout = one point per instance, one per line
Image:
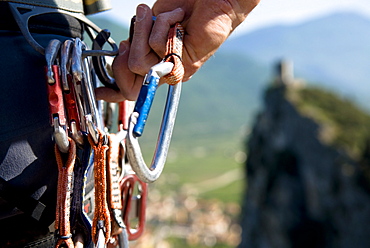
(86, 7)
(58, 24)
(68, 5)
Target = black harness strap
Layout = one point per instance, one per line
(73, 6)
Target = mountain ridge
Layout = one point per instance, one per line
(332, 50)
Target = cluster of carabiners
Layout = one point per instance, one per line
(73, 109)
(100, 192)
(77, 124)
(119, 184)
(73, 115)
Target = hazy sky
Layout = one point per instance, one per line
(268, 12)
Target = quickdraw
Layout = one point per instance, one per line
(96, 161)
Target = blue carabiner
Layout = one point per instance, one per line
(147, 93)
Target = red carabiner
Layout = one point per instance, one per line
(55, 98)
(71, 104)
(129, 184)
(124, 114)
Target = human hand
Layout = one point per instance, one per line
(135, 59)
(207, 24)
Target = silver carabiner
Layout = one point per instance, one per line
(60, 136)
(51, 54)
(101, 239)
(135, 157)
(65, 62)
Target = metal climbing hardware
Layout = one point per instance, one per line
(134, 194)
(99, 61)
(75, 115)
(147, 93)
(170, 66)
(55, 95)
(69, 92)
(102, 182)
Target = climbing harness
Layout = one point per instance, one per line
(102, 182)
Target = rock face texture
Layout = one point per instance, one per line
(301, 191)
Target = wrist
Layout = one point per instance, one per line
(240, 10)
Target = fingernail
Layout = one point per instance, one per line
(179, 9)
(140, 13)
(122, 48)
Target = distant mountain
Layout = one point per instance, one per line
(295, 175)
(333, 51)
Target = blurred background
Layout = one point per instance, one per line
(271, 146)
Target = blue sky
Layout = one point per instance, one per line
(268, 12)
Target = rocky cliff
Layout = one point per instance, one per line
(307, 186)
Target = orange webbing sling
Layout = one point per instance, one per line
(65, 178)
(101, 214)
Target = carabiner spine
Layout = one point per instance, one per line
(135, 156)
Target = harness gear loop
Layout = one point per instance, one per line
(62, 221)
(99, 62)
(101, 220)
